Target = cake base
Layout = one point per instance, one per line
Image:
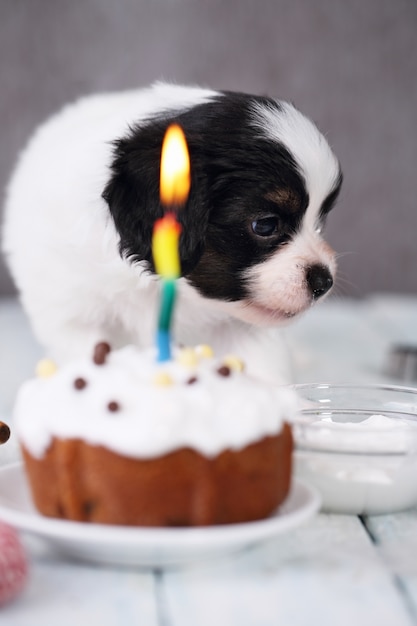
(81, 482)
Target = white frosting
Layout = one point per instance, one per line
(374, 434)
(366, 467)
(210, 415)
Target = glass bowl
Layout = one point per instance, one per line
(358, 446)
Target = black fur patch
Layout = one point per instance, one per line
(236, 176)
(330, 200)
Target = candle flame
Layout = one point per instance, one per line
(175, 167)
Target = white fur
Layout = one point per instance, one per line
(62, 246)
(314, 157)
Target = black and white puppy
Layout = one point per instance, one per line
(85, 194)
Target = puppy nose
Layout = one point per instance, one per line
(319, 280)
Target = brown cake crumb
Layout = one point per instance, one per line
(113, 406)
(192, 380)
(101, 351)
(80, 383)
(4, 432)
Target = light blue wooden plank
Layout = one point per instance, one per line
(64, 593)
(340, 341)
(396, 541)
(326, 573)
(394, 316)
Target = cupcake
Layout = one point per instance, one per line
(122, 439)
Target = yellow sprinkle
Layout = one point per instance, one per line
(234, 363)
(162, 379)
(45, 368)
(204, 351)
(187, 357)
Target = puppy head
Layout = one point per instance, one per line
(263, 182)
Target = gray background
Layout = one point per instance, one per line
(351, 65)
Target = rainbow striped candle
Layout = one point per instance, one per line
(174, 190)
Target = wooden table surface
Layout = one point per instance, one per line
(334, 570)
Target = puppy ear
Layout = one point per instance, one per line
(132, 195)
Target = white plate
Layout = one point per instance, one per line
(151, 547)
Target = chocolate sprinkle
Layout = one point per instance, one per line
(4, 432)
(88, 508)
(192, 380)
(101, 351)
(224, 370)
(113, 406)
(80, 383)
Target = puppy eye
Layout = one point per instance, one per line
(265, 227)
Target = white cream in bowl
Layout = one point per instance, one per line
(363, 461)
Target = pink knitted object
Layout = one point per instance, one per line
(13, 564)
